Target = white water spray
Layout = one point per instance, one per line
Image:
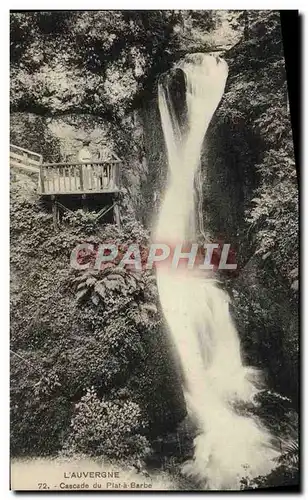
(229, 446)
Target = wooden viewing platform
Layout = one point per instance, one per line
(72, 184)
(80, 177)
(68, 177)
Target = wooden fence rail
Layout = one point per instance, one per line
(24, 159)
(68, 177)
(79, 177)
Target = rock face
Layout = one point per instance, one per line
(154, 161)
(30, 131)
(72, 130)
(59, 138)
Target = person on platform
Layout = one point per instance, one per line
(84, 156)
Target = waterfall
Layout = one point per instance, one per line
(230, 444)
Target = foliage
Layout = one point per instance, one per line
(109, 428)
(257, 97)
(290, 455)
(269, 332)
(260, 208)
(286, 472)
(31, 132)
(138, 291)
(284, 426)
(274, 216)
(97, 61)
(63, 343)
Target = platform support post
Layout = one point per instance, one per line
(55, 212)
(116, 213)
(85, 207)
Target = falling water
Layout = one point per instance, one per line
(229, 445)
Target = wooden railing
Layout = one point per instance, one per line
(79, 177)
(24, 159)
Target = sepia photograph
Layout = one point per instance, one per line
(154, 251)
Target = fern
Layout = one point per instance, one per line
(290, 455)
(115, 289)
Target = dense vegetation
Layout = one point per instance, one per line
(89, 349)
(77, 331)
(256, 110)
(65, 62)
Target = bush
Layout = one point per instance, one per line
(109, 428)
